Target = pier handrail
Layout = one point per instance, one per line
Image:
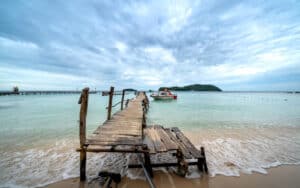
(114, 104)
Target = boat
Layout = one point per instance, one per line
(164, 95)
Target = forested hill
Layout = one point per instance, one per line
(194, 87)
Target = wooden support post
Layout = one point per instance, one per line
(182, 168)
(111, 93)
(127, 101)
(122, 101)
(146, 101)
(82, 164)
(204, 159)
(148, 161)
(83, 101)
(144, 119)
(200, 164)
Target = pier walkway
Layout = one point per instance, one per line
(126, 132)
(123, 128)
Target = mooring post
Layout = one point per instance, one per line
(83, 101)
(122, 101)
(111, 93)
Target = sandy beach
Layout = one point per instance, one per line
(283, 176)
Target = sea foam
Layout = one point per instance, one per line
(228, 152)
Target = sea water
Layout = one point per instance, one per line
(241, 133)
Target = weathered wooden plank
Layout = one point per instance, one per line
(116, 130)
(112, 138)
(98, 148)
(158, 144)
(123, 128)
(196, 153)
(121, 131)
(147, 140)
(165, 138)
(192, 149)
(183, 148)
(117, 142)
(121, 124)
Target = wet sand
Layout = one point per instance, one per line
(287, 176)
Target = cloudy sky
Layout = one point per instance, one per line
(236, 45)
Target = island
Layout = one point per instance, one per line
(194, 87)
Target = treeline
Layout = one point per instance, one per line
(194, 87)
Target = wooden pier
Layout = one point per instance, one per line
(49, 92)
(126, 132)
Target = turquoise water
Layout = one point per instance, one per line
(39, 133)
(39, 118)
(198, 110)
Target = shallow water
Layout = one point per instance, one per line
(242, 132)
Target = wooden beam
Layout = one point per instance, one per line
(155, 165)
(111, 94)
(110, 149)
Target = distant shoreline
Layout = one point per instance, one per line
(193, 87)
(64, 92)
(42, 92)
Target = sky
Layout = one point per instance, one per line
(235, 45)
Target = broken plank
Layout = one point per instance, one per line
(183, 148)
(149, 142)
(192, 149)
(165, 138)
(158, 144)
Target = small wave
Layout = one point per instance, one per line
(228, 152)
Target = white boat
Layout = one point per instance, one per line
(164, 95)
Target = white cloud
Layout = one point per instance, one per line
(14, 44)
(150, 43)
(28, 79)
(121, 46)
(158, 54)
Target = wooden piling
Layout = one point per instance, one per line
(111, 94)
(126, 104)
(122, 101)
(148, 162)
(83, 101)
(204, 159)
(200, 164)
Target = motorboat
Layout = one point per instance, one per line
(164, 95)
